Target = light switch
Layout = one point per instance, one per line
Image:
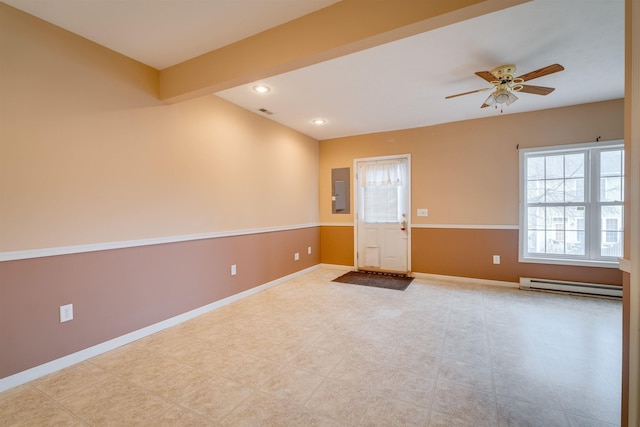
(423, 212)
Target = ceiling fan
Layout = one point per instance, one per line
(505, 84)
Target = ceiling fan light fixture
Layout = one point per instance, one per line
(491, 100)
(502, 96)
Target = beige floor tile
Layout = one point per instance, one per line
(340, 401)
(467, 373)
(203, 327)
(263, 410)
(172, 344)
(352, 328)
(215, 398)
(420, 360)
(468, 346)
(307, 418)
(182, 417)
(333, 342)
(27, 406)
(178, 386)
(13, 392)
(294, 385)
(371, 352)
(250, 370)
(437, 419)
(150, 372)
(315, 360)
(578, 373)
(515, 413)
(600, 405)
(360, 373)
(213, 360)
(389, 412)
(462, 406)
(304, 333)
(115, 402)
(527, 388)
(277, 350)
(70, 380)
(408, 386)
(578, 421)
(122, 359)
(521, 362)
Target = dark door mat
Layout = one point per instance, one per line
(376, 280)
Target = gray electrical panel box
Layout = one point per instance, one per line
(340, 184)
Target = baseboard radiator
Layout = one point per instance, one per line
(530, 283)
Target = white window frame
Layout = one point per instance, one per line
(593, 229)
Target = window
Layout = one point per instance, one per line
(384, 184)
(572, 204)
(612, 231)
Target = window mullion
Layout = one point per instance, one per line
(593, 186)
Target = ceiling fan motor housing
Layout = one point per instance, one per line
(504, 73)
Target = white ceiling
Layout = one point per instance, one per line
(162, 33)
(394, 86)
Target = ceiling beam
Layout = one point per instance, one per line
(340, 29)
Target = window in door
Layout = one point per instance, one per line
(384, 188)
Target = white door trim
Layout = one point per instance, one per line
(356, 207)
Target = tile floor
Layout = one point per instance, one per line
(310, 352)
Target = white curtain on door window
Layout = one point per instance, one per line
(383, 173)
(384, 192)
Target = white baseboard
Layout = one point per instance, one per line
(82, 355)
(468, 280)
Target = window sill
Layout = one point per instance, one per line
(625, 265)
(574, 262)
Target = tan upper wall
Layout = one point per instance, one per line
(88, 154)
(466, 173)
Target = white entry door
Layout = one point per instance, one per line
(382, 214)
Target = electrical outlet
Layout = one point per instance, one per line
(296, 256)
(66, 313)
(309, 250)
(496, 259)
(233, 270)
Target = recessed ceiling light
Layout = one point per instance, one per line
(261, 88)
(319, 122)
